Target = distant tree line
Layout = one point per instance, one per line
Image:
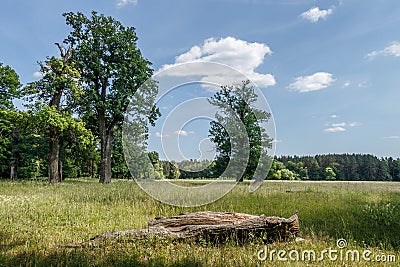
(339, 167)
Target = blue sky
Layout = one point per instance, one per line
(329, 69)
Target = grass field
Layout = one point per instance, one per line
(37, 219)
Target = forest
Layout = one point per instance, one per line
(339, 167)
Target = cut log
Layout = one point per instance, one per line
(213, 227)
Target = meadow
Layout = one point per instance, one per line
(37, 220)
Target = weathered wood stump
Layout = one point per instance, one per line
(214, 227)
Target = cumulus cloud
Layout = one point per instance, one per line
(342, 124)
(314, 14)
(37, 74)
(391, 50)
(334, 116)
(335, 129)
(121, 3)
(340, 127)
(235, 53)
(314, 82)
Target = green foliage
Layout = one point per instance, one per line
(60, 80)
(19, 138)
(237, 130)
(279, 171)
(171, 170)
(78, 147)
(330, 174)
(9, 84)
(106, 54)
(343, 167)
(6, 129)
(52, 95)
(71, 129)
(112, 70)
(197, 169)
(157, 164)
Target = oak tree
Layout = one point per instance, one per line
(52, 96)
(237, 133)
(112, 68)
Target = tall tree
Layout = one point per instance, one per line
(59, 82)
(237, 115)
(9, 85)
(112, 67)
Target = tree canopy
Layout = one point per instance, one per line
(237, 132)
(9, 84)
(112, 69)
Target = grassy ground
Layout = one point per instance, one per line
(36, 219)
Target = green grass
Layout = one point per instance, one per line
(37, 219)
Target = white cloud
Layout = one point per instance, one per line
(183, 132)
(121, 3)
(391, 50)
(158, 134)
(335, 129)
(347, 84)
(340, 127)
(37, 74)
(342, 124)
(392, 137)
(314, 14)
(353, 124)
(235, 53)
(317, 81)
(334, 116)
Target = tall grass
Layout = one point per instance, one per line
(37, 219)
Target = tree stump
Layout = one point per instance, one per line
(213, 227)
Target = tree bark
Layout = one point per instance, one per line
(107, 157)
(55, 165)
(106, 139)
(54, 171)
(60, 168)
(213, 227)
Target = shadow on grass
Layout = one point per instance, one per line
(8, 241)
(84, 257)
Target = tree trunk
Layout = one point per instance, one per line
(54, 174)
(60, 169)
(106, 139)
(107, 157)
(213, 227)
(216, 227)
(55, 166)
(14, 155)
(106, 136)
